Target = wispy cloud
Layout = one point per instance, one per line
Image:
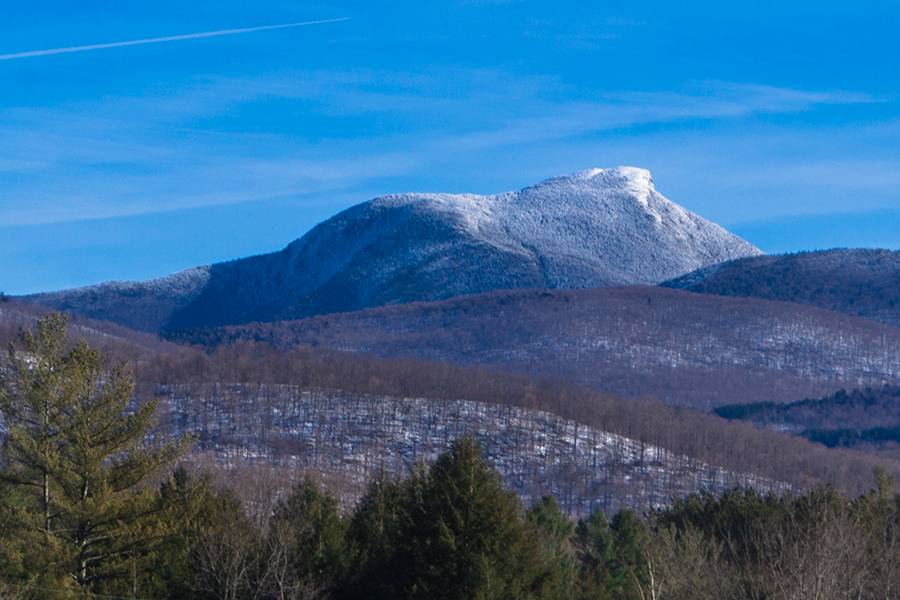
(709, 101)
(164, 39)
(174, 149)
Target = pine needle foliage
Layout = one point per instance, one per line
(79, 458)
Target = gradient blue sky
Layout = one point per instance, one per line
(779, 121)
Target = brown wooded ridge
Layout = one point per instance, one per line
(735, 446)
(682, 348)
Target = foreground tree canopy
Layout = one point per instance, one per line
(92, 505)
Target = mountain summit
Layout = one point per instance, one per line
(594, 228)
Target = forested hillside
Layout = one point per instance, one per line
(682, 348)
(347, 378)
(866, 419)
(349, 438)
(256, 403)
(858, 282)
(317, 474)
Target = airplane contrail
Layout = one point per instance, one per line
(168, 38)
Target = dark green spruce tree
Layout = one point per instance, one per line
(553, 532)
(464, 535)
(596, 551)
(308, 532)
(374, 538)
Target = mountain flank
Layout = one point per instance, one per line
(858, 282)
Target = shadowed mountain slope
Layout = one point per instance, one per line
(858, 282)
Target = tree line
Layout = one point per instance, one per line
(859, 409)
(451, 531)
(867, 419)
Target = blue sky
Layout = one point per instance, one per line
(779, 121)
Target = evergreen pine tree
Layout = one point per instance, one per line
(36, 385)
(554, 536)
(596, 550)
(313, 536)
(78, 458)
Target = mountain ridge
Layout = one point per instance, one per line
(592, 228)
(862, 282)
(678, 347)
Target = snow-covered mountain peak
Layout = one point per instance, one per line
(630, 175)
(615, 177)
(572, 189)
(598, 185)
(591, 228)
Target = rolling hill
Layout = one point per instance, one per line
(859, 282)
(346, 416)
(350, 415)
(682, 348)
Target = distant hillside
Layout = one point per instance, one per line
(593, 228)
(353, 437)
(682, 348)
(347, 415)
(123, 343)
(143, 306)
(867, 418)
(864, 283)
